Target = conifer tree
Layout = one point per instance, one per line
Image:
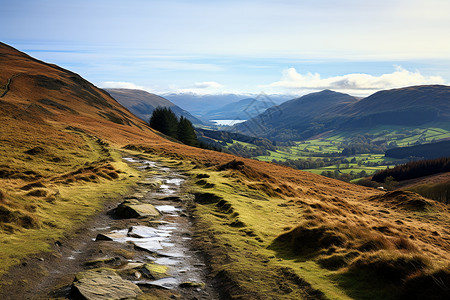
(165, 121)
(186, 132)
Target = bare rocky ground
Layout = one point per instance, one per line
(141, 246)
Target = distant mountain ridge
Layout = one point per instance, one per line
(142, 103)
(241, 110)
(200, 105)
(325, 111)
(296, 115)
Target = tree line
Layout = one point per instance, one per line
(414, 169)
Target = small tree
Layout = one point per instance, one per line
(165, 121)
(186, 132)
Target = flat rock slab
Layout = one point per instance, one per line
(167, 209)
(154, 271)
(135, 209)
(142, 232)
(103, 284)
(150, 245)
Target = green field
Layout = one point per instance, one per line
(328, 150)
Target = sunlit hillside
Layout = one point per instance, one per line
(266, 231)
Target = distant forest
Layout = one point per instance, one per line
(427, 151)
(414, 169)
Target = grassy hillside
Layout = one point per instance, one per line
(268, 231)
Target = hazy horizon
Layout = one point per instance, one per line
(241, 47)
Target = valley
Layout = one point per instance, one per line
(92, 196)
(346, 152)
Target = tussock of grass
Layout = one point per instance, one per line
(390, 266)
(308, 239)
(47, 200)
(18, 217)
(404, 200)
(433, 285)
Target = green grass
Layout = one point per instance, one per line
(67, 200)
(237, 221)
(320, 147)
(247, 246)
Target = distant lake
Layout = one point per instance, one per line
(227, 122)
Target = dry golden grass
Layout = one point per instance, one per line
(294, 233)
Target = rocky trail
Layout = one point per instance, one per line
(142, 246)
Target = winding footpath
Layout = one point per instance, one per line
(142, 246)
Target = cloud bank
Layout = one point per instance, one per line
(207, 85)
(359, 83)
(121, 85)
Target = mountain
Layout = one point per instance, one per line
(297, 115)
(200, 105)
(410, 106)
(142, 103)
(68, 157)
(241, 110)
(326, 111)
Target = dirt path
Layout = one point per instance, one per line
(156, 253)
(8, 85)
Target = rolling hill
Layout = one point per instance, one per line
(410, 106)
(328, 111)
(266, 231)
(297, 115)
(142, 104)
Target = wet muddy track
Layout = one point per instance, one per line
(153, 251)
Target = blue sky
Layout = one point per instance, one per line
(242, 46)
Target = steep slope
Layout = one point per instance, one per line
(267, 231)
(142, 103)
(297, 115)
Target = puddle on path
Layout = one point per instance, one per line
(167, 242)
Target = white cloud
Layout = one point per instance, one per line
(201, 88)
(121, 85)
(207, 85)
(357, 82)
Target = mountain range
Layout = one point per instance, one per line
(201, 105)
(142, 104)
(329, 111)
(241, 110)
